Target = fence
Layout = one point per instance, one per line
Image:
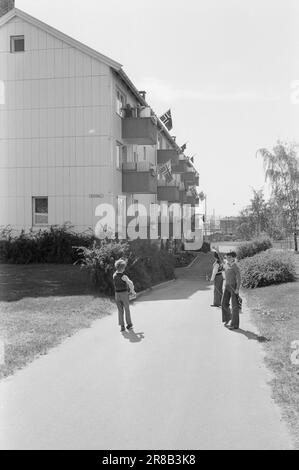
(286, 244)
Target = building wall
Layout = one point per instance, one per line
(56, 131)
(59, 131)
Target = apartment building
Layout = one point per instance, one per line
(76, 133)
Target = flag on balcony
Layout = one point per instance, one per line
(167, 120)
(165, 171)
(183, 147)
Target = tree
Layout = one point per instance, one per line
(253, 218)
(282, 171)
(258, 211)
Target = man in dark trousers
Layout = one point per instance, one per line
(231, 291)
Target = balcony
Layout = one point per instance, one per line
(181, 167)
(191, 178)
(191, 200)
(164, 156)
(192, 196)
(139, 178)
(168, 191)
(183, 197)
(139, 130)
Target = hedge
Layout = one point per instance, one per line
(55, 245)
(267, 268)
(147, 264)
(248, 249)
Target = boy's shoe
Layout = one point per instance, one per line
(129, 327)
(122, 328)
(230, 327)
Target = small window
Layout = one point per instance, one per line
(159, 142)
(119, 155)
(40, 211)
(17, 44)
(120, 102)
(144, 153)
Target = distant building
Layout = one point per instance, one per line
(229, 225)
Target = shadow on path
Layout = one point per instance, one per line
(133, 337)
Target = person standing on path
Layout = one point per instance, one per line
(231, 291)
(122, 286)
(217, 278)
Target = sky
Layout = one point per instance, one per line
(226, 68)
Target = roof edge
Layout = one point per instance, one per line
(59, 35)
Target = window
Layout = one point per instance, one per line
(2, 92)
(159, 142)
(144, 153)
(121, 155)
(17, 44)
(40, 211)
(120, 102)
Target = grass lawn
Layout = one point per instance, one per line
(275, 311)
(40, 305)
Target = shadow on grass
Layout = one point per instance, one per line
(251, 335)
(43, 280)
(61, 280)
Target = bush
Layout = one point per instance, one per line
(147, 264)
(267, 268)
(245, 250)
(206, 247)
(183, 259)
(55, 245)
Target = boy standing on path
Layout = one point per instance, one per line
(231, 291)
(122, 284)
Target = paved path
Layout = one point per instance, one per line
(181, 381)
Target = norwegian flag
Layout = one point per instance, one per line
(165, 171)
(167, 120)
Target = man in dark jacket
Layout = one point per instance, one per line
(231, 291)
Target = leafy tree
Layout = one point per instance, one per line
(258, 210)
(282, 171)
(253, 219)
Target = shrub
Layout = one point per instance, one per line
(147, 264)
(183, 259)
(267, 268)
(206, 247)
(245, 250)
(55, 245)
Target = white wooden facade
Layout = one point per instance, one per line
(59, 128)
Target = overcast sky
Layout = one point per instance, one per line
(224, 67)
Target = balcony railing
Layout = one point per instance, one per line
(181, 167)
(164, 155)
(139, 130)
(191, 178)
(139, 178)
(168, 191)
